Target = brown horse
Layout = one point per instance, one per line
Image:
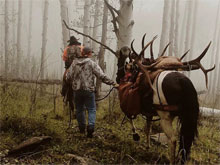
(169, 93)
(68, 96)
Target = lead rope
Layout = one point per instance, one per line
(106, 95)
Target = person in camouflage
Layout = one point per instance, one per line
(82, 73)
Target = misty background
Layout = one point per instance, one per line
(147, 16)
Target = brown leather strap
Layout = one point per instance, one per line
(165, 107)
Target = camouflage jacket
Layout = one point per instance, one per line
(82, 73)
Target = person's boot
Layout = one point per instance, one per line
(90, 130)
(82, 129)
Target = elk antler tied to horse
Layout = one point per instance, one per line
(157, 87)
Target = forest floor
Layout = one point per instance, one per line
(25, 113)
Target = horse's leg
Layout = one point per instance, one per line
(147, 130)
(136, 137)
(166, 124)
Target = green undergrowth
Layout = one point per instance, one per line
(22, 118)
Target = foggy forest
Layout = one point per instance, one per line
(39, 124)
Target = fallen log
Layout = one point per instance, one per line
(29, 145)
(42, 81)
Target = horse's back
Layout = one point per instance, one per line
(170, 86)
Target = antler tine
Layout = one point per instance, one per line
(198, 59)
(205, 71)
(151, 52)
(148, 45)
(132, 48)
(164, 50)
(184, 54)
(143, 38)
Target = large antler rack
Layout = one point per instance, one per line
(106, 47)
(139, 61)
(197, 63)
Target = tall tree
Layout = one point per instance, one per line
(216, 71)
(176, 31)
(86, 21)
(215, 36)
(96, 24)
(19, 38)
(44, 40)
(188, 26)
(164, 26)
(123, 22)
(29, 35)
(6, 38)
(102, 50)
(65, 31)
(171, 35)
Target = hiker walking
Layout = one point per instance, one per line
(82, 74)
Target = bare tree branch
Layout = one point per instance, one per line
(114, 18)
(106, 47)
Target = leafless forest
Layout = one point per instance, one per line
(33, 36)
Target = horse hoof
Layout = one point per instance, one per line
(136, 137)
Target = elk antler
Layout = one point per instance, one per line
(151, 52)
(184, 55)
(138, 61)
(143, 38)
(198, 63)
(164, 50)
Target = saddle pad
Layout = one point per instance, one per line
(158, 96)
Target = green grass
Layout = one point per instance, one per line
(112, 143)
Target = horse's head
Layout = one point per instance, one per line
(122, 56)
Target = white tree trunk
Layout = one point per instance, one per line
(181, 40)
(96, 25)
(44, 40)
(29, 38)
(125, 22)
(188, 27)
(19, 39)
(164, 31)
(65, 31)
(193, 32)
(176, 31)
(215, 36)
(102, 50)
(171, 35)
(6, 38)
(86, 22)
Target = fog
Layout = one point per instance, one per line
(147, 15)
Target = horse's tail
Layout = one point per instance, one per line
(189, 112)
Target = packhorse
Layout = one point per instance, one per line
(160, 89)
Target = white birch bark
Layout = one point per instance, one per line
(165, 26)
(125, 22)
(65, 31)
(102, 50)
(86, 21)
(176, 31)
(96, 25)
(44, 40)
(18, 62)
(171, 35)
(215, 36)
(6, 38)
(29, 32)
(188, 27)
